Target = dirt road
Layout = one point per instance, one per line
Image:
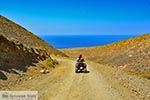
(64, 84)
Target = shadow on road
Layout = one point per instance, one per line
(85, 72)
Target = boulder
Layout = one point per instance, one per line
(42, 71)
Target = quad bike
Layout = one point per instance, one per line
(80, 67)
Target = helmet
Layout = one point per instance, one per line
(80, 56)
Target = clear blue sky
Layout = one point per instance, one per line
(49, 17)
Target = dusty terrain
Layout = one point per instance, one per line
(101, 83)
(21, 50)
(130, 55)
(115, 70)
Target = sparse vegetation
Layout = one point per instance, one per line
(22, 51)
(130, 55)
(51, 62)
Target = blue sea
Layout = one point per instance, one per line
(76, 41)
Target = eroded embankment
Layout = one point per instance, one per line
(15, 59)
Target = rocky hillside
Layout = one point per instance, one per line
(18, 56)
(22, 52)
(131, 55)
(19, 47)
(20, 35)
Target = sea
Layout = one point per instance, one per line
(79, 41)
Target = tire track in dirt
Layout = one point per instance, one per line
(64, 84)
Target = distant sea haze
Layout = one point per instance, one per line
(77, 41)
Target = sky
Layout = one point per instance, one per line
(79, 17)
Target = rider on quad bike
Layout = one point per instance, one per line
(80, 64)
(80, 59)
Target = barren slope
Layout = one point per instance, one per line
(131, 55)
(20, 35)
(20, 50)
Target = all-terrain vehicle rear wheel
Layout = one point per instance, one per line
(76, 70)
(85, 70)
